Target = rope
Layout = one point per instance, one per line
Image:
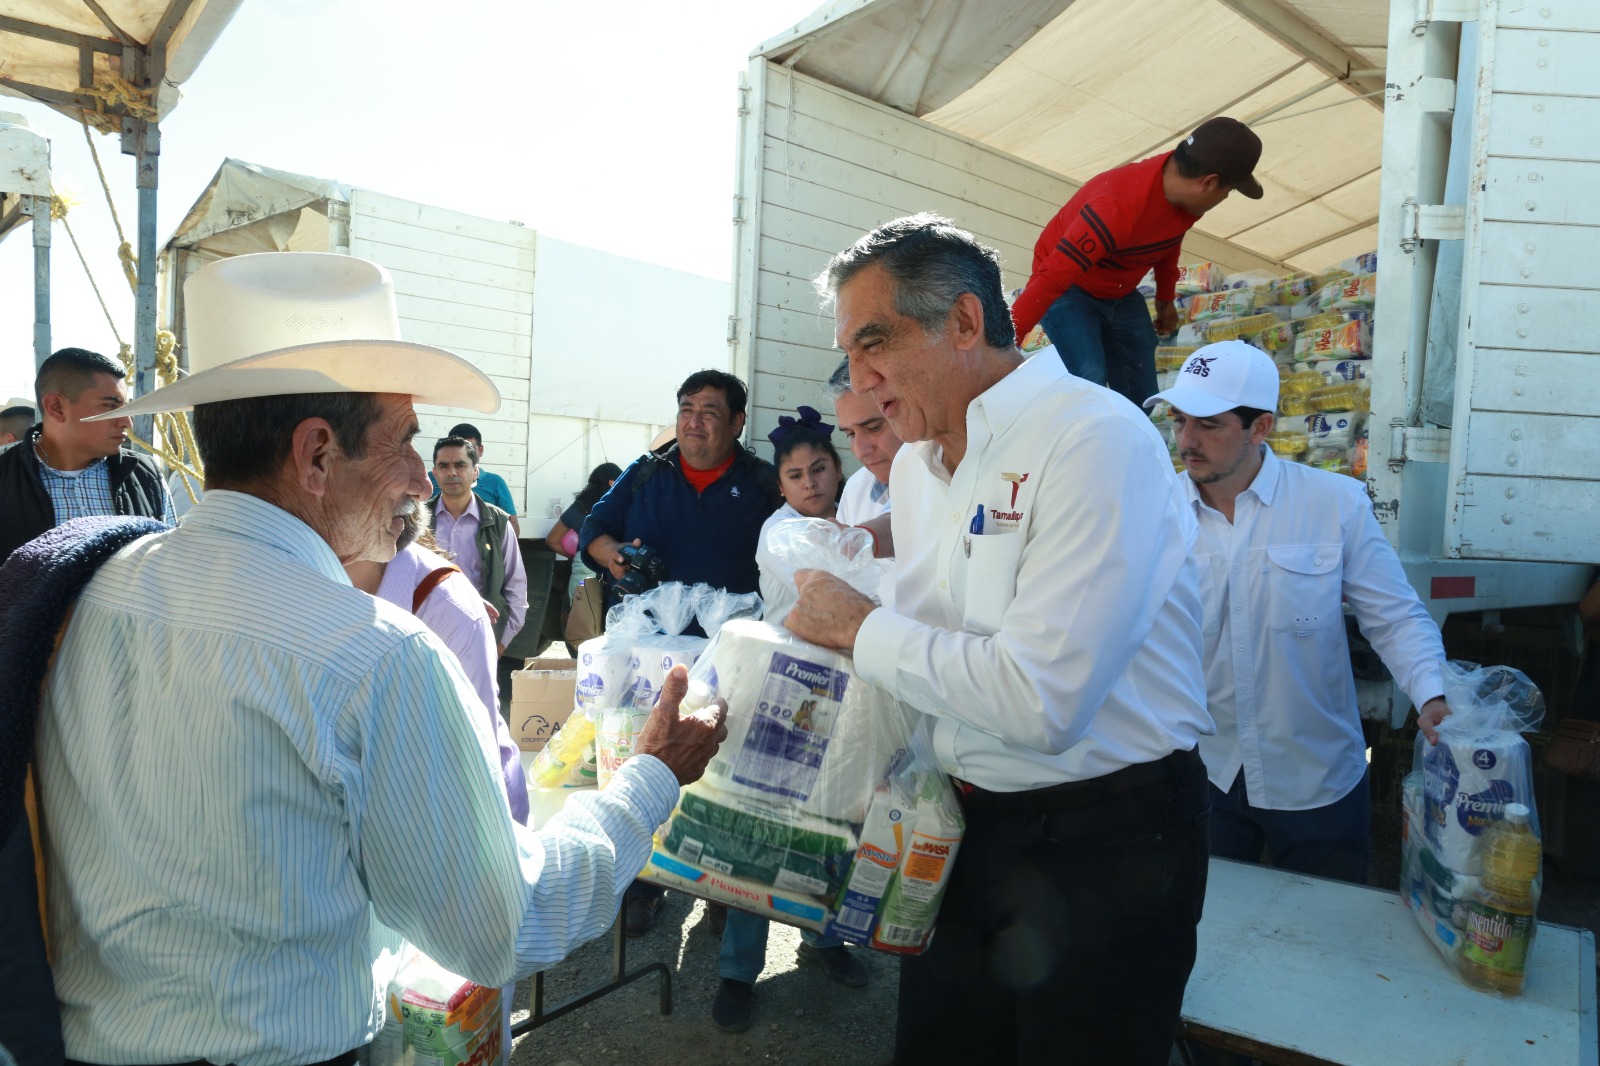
(130, 262)
(115, 91)
(62, 215)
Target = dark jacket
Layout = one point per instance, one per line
(705, 537)
(37, 588)
(26, 509)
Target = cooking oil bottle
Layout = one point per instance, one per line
(1500, 923)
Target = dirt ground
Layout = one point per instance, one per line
(801, 1018)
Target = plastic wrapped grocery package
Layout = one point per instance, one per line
(786, 817)
(1171, 357)
(1193, 279)
(437, 1017)
(1348, 339)
(1458, 790)
(1230, 303)
(1352, 293)
(1333, 430)
(622, 671)
(1228, 329)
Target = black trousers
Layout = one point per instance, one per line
(1067, 931)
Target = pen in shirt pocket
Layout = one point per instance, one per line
(977, 521)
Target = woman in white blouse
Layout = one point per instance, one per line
(810, 477)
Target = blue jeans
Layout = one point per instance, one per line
(744, 946)
(1326, 841)
(1108, 342)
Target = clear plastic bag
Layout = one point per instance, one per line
(809, 812)
(815, 757)
(1455, 802)
(435, 1016)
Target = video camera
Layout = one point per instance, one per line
(646, 569)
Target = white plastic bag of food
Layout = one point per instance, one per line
(1458, 791)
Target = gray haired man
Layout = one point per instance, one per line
(1047, 617)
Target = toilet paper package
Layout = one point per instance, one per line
(1459, 788)
(776, 824)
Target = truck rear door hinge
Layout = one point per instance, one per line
(1418, 444)
(1430, 222)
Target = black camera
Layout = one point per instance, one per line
(646, 569)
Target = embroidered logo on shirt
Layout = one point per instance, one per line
(734, 492)
(1200, 366)
(1016, 483)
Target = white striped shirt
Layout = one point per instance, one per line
(249, 769)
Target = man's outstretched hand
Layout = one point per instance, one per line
(685, 742)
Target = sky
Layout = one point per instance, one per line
(611, 125)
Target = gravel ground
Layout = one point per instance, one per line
(801, 1018)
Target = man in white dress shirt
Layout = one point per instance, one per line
(872, 440)
(1281, 547)
(1048, 620)
(244, 761)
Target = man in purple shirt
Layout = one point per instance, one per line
(479, 537)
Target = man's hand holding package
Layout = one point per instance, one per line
(830, 612)
(685, 742)
(1429, 715)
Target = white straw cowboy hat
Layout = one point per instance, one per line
(287, 323)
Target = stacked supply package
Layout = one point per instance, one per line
(1462, 797)
(620, 675)
(1318, 330)
(824, 807)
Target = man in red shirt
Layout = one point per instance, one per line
(1089, 259)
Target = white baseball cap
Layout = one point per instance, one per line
(1220, 377)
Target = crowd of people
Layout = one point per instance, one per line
(241, 720)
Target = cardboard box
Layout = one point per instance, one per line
(542, 696)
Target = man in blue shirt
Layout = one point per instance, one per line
(490, 486)
(701, 505)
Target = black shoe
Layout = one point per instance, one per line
(843, 967)
(732, 1008)
(717, 917)
(638, 915)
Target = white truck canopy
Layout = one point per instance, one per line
(1081, 87)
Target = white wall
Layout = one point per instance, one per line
(613, 338)
(466, 285)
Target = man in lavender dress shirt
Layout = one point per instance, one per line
(479, 537)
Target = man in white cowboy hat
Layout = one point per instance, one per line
(1281, 545)
(243, 758)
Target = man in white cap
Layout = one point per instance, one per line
(1281, 546)
(253, 775)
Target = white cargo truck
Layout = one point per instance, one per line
(1459, 138)
(580, 384)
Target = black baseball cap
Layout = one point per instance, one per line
(1229, 149)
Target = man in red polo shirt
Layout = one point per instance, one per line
(1089, 259)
